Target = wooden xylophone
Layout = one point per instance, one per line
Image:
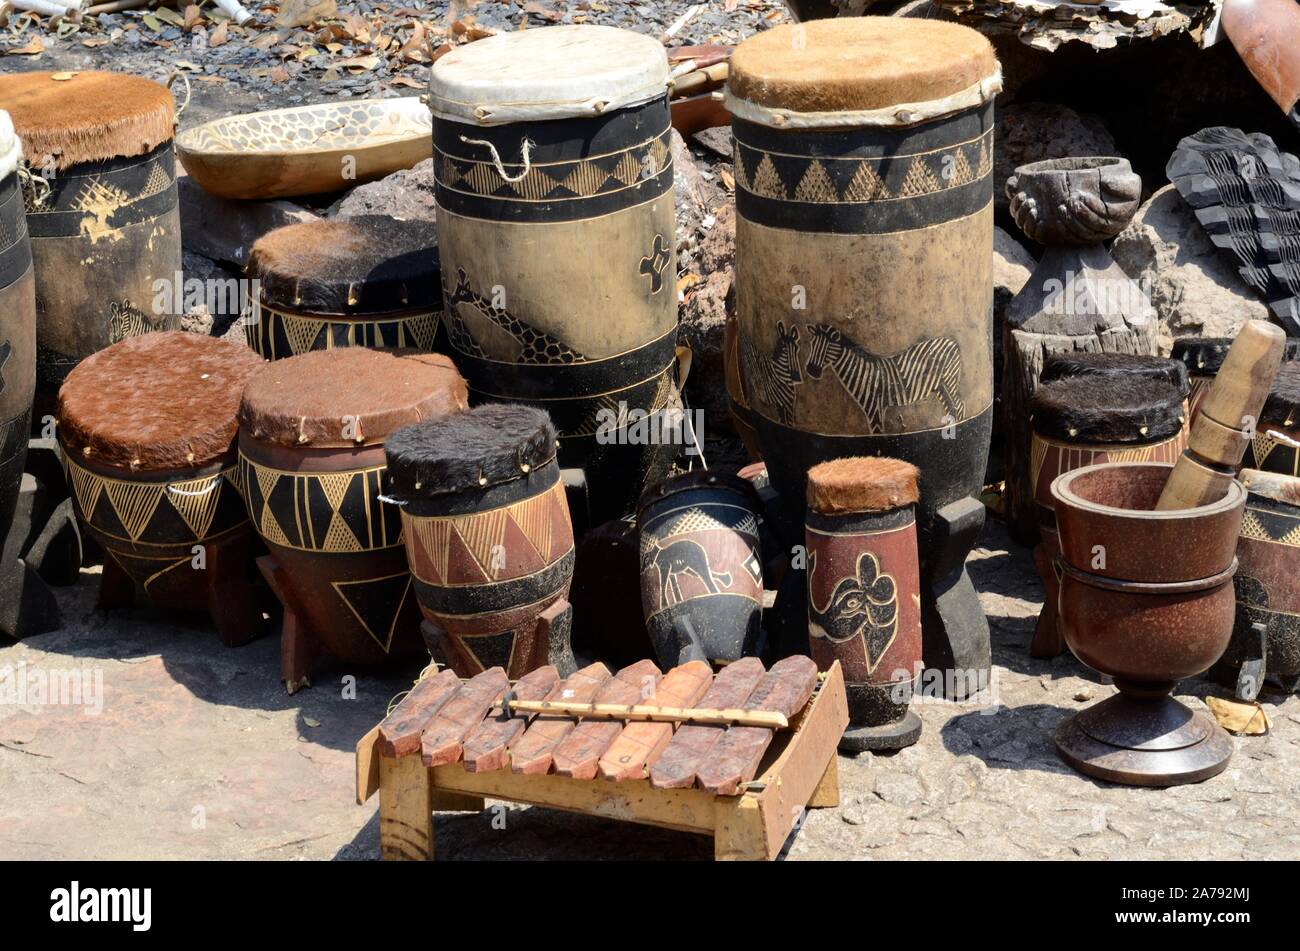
(737, 755)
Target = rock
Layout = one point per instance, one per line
(692, 196)
(1033, 131)
(718, 247)
(717, 140)
(224, 229)
(703, 316)
(1194, 287)
(407, 194)
(1012, 265)
(900, 789)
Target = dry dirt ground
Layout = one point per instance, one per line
(199, 754)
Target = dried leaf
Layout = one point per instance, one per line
(169, 16)
(406, 81)
(383, 42)
(305, 12)
(360, 64)
(186, 64)
(220, 34)
(94, 41)
(358, 28)
(152, 22)
(34, 48)
(279, 74)
(192, 17)
(1245, 719)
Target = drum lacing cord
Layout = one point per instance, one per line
(525, 153)
(31, 185)
(212, 485)
(432, 665)
(180, 111)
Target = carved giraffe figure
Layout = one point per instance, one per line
(536, 346)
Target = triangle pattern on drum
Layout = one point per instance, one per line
(377, 604)
(195, 502)
(88, 486)
(767, 182)
(134, 503)
(490, 650)
(816, 186)
(300, 332)
(533, 517)
(483, 535)
(462, 567)
(866, 185)
(920, 180)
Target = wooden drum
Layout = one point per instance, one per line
(17, 327)
(864, 198)
(102, 143)
(370, 281)
(554, 185)
(147, 431)
(488, 537)
(1087, 420)
(311, 454)
(1204, 356)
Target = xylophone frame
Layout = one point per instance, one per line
(799, 771)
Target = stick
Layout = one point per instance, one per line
(698, 79)
(616, 711)
(681, 21)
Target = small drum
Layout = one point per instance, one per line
(370, 281)
(147, 432)
(1116, 366)
(311, 455)
(864, 593)
(1086, 420)
(488, 537)
(17, 327)
(1203, 357)
(1275, 446)
(1268, 556)
(864, 290)
(554, 186)
(102, 142)
(701, 568)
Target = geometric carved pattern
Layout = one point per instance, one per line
(1254, 526)
(303, 334)
(377, 604)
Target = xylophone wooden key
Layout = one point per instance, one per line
(532, 752)
(578, 755)
(786, 688)
(443, 737)
(399, 734)
(487, 745)
(677, 764)
(640, 744)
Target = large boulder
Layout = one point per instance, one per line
(407, 194)
(1034, 131)
(1193, 286)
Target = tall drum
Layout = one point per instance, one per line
(554, 185)
(311, 454)
(107, 229)
(864, 196)
(17, 327)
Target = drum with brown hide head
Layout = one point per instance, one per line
(311, 454)
(370, 281)
(488, 537)
(1204, 356)
(864, 593)
(1275, 445)
(1086, 420)
(17, 327)
(554, 184)
(147, 431)
(701, 568)
(102, 211)
(864, 199)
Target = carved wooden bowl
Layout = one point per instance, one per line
(1074, 200)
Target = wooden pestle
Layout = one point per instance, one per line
(1226, 419)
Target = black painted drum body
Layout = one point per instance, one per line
(17, 329)
(864, 274)
(556, 233)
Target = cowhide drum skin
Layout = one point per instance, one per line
(17, 346)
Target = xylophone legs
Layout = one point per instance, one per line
(405, 809)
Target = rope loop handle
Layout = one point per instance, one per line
(525, 154)
(180, 111)
(36, 188)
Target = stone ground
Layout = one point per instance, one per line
(199, 754)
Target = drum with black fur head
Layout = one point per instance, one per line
(701, 568)
(147, 430)
(1275, 444)
(864, 290)
(311, 450)
(864, 592)
(1116, 366)
(102, 211)
(554, 185)
(1203, 357)
(488, 537)
(369, 281)
(1087, 420)
(17, 327)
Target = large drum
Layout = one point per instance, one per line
(311, 455)
(554, 184)
(1275, 445)
(1078, 421)
(17, 327)
(147, 431)
(488, 537)
(370, 281)
(864, 196)
(106, 234)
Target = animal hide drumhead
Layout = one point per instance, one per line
(155, 402)
(1117, 366)
(1283, 404)
(1100, 410)
(862, 484)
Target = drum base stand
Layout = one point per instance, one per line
(27, 604)
(879, 718)
(298, 648)
(552, 643)
(956, 632)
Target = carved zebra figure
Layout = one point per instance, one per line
(774, 380)
(923, 372)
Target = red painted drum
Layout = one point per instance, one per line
(311, 448)
(864, 600)
(488, 537)
(147, 431)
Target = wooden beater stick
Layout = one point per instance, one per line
(617, 711)
(1226, 419)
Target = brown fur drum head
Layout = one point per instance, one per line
(155, 402)
(1282, 408)
(485, 446)
(855, 63)
(371, 264)
(351, 396)
(72, 118)
(862, 484)
(1101, 410)
(1116, 366)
